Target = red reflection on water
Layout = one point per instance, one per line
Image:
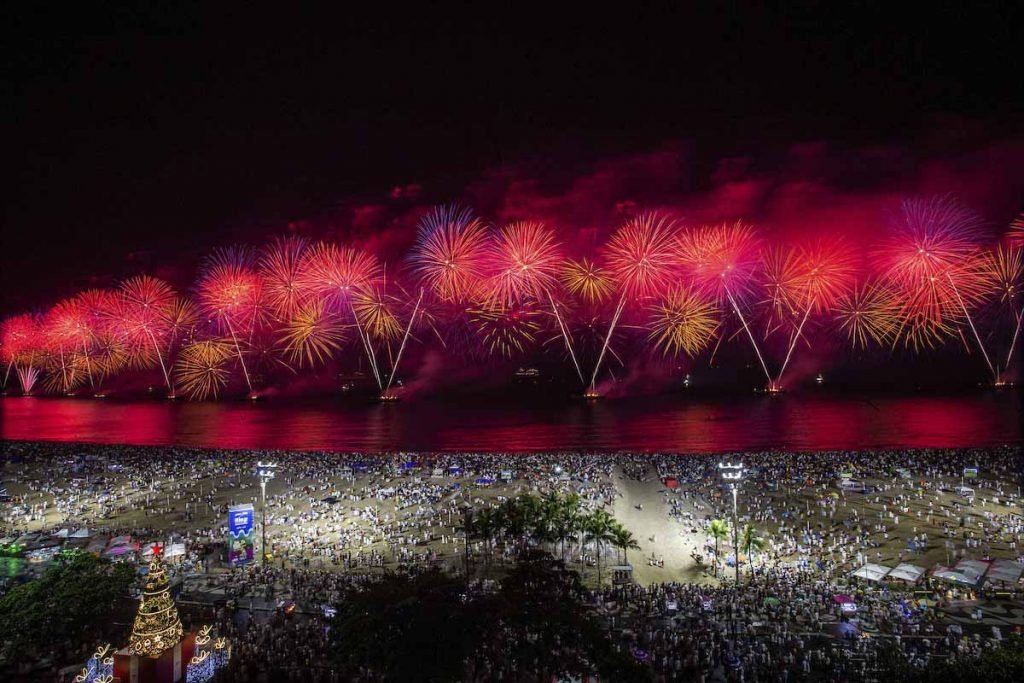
(670, 424)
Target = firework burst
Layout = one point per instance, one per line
(524, 259)
(203, 367)
(451, 253)
(930, 264)
(504, 331)
(338, 274)
(587, 281)
(313, 334)
(280, 265)
(683, 322)
(640, 255)
(868, 314)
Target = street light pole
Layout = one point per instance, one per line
(733, 475)
(265, 472)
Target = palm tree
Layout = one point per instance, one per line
(718, 530)
(487, 523)
(751, 542)
(623, 539)
(598, 527)
(468, 529)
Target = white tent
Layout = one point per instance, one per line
(910, 573)
(120, 540)
(175, 550)
(81, 533)
(973, 570)
(951, 575)
(872, 572)
(63, 533)
(1005, 571)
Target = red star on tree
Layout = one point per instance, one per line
(158, 550)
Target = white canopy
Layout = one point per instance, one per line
(872, 572)
(907, 572)
(973, 570)
(63, 533)
(947, 574)
(81, 533)
(1006, 571)
(175, 550)
(120, 540)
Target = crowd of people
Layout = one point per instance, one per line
(335, 520)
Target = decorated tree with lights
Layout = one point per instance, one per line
(157, 625)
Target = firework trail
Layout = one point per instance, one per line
(641, 261)
(722, 260)
(22, 338)
(338, 275)
(525, 259)
(1002, 270)
(230, 293)
(142, 307)
(928, 262)
(492, 291)
(825, 274)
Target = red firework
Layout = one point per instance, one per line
(826, 272)
(524, 261)
(641, 257)
(450, 255)
(21, 339)
(231, 291)
(337, 274)
(1016, 234)
(139, 314)
(930, 262)
(721, 259)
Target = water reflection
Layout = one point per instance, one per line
(648, 424)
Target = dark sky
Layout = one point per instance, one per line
(157, 130)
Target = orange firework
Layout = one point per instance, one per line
(504, 331)
(313, 334)
(683, 322)
(868, 314)
(587, 281)
(827, 271)
(1001, 270)
(280, 265)
(375, 313)
(203, 367)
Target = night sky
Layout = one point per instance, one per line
(134, 138)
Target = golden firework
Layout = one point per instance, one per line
(313, 334)
(683, 322)
(202, 369)
(586, 280)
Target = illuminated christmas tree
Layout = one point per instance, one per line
(157, 626)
